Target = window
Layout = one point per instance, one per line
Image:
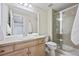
(17, 24)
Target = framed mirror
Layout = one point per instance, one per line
(21, 22)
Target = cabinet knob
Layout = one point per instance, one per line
(2, 51)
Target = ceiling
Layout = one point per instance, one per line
(55, 6)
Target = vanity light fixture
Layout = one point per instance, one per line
(25, 4)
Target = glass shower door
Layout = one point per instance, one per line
(56, 28)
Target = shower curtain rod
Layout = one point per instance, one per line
(69, 8)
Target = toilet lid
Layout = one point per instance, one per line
(52, 43)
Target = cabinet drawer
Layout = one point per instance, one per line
(6, 49)
(36, 42)
(22, 52)
(23, 45)
(39, 41)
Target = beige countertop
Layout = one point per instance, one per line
(12, 40)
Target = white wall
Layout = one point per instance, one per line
(43, 23)
(0, 14)
(4, 17)
(50, 25)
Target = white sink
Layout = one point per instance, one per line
(33, 34)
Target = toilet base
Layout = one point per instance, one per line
(52, 53)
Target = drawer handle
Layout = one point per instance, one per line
(29, 52)
(2, 51)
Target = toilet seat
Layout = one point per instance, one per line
(51, 45)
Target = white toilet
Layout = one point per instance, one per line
(52, 46)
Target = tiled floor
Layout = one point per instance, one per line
(61, 54)
(74, 52)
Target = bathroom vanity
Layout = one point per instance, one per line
(17, 24)
(32, 46)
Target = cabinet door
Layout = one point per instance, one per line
(22, 52)
(38, 50)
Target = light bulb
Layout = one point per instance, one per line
(30, 5)
(26, 4)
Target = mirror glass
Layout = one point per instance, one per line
(21, 22)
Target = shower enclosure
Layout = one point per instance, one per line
(56, 27)
(62, 30)
(68, 16)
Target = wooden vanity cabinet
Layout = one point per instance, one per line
(38, 50)
(6, 49)
(30, 48)
(22, 52)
